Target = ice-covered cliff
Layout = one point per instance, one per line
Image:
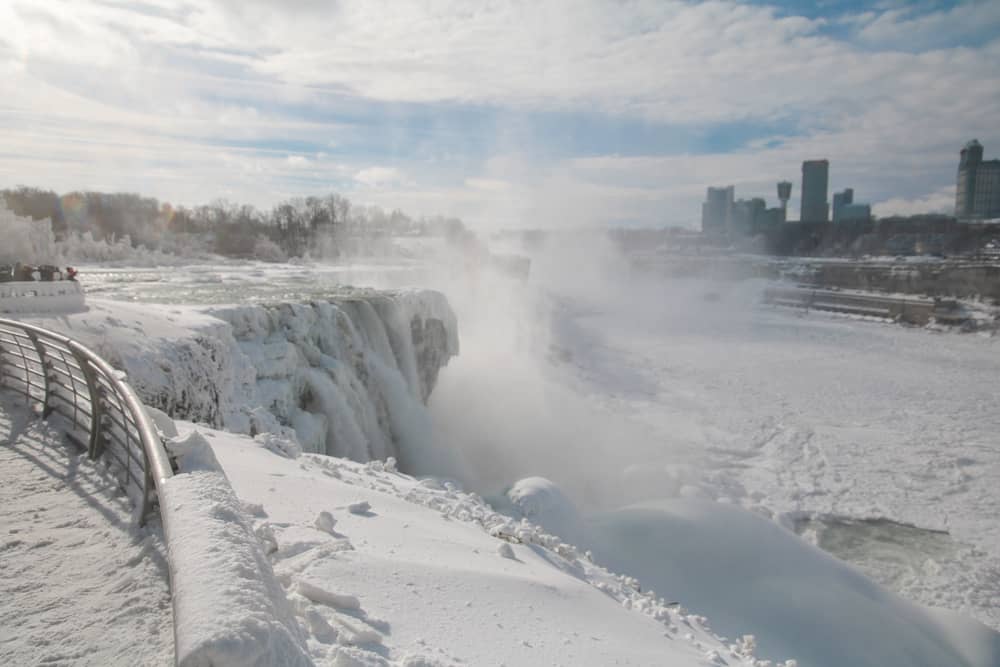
(347, 376)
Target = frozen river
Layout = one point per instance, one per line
(245, 282)
(877, 442)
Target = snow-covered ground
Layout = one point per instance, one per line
(382, 568)
(79, 584)
(378, 568)
(688, 433)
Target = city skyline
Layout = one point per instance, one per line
(977, 198)
(498, 114)
(722, 212)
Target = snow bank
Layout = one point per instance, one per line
(542, 502)
(747, 574)
(229, 608)
(382, 570)
(60, 296)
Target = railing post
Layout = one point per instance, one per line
(44, 363)
(3, 367)
(147, 486)
(95, 445)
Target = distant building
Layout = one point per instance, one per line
(815, 180)
(747, 217)
(775, 216)
(841, 199)
(784, 194)
(846, 210)
(717, 210)
(977, 195)
(855, 213)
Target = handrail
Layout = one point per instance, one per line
(103, 411)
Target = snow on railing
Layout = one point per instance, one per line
(101, 411)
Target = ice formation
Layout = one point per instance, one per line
(349, 375)
(346, 376)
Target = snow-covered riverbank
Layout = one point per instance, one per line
(657, 411)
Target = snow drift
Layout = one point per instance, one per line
(230, 609)
(748, 574)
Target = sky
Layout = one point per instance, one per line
(506, 113)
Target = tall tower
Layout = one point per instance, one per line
(784, 194)
(970, 158)
(815, 179)
(717, 210)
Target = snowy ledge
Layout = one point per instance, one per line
(56, 297)
(229, 608)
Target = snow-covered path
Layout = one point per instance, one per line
(79, 584)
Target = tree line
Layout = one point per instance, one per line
(328, 225)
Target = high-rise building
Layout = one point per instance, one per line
(841, 199)
(815, 179)
(748, 216)
(717, 210)
(977, 194)
(855, 213)
(846, 210)
(784, 194)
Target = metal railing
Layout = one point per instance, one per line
(100, 410)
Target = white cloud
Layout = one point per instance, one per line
(378, 176)
(488, 184)
(184, 100)
(909, 28)
(939, 201)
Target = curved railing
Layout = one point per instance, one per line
(101, 411)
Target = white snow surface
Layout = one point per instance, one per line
(410, 573)
(79, 583)
(656, 412)
(810, 419)
(230, 609)
(58, 296)
(742, 570)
